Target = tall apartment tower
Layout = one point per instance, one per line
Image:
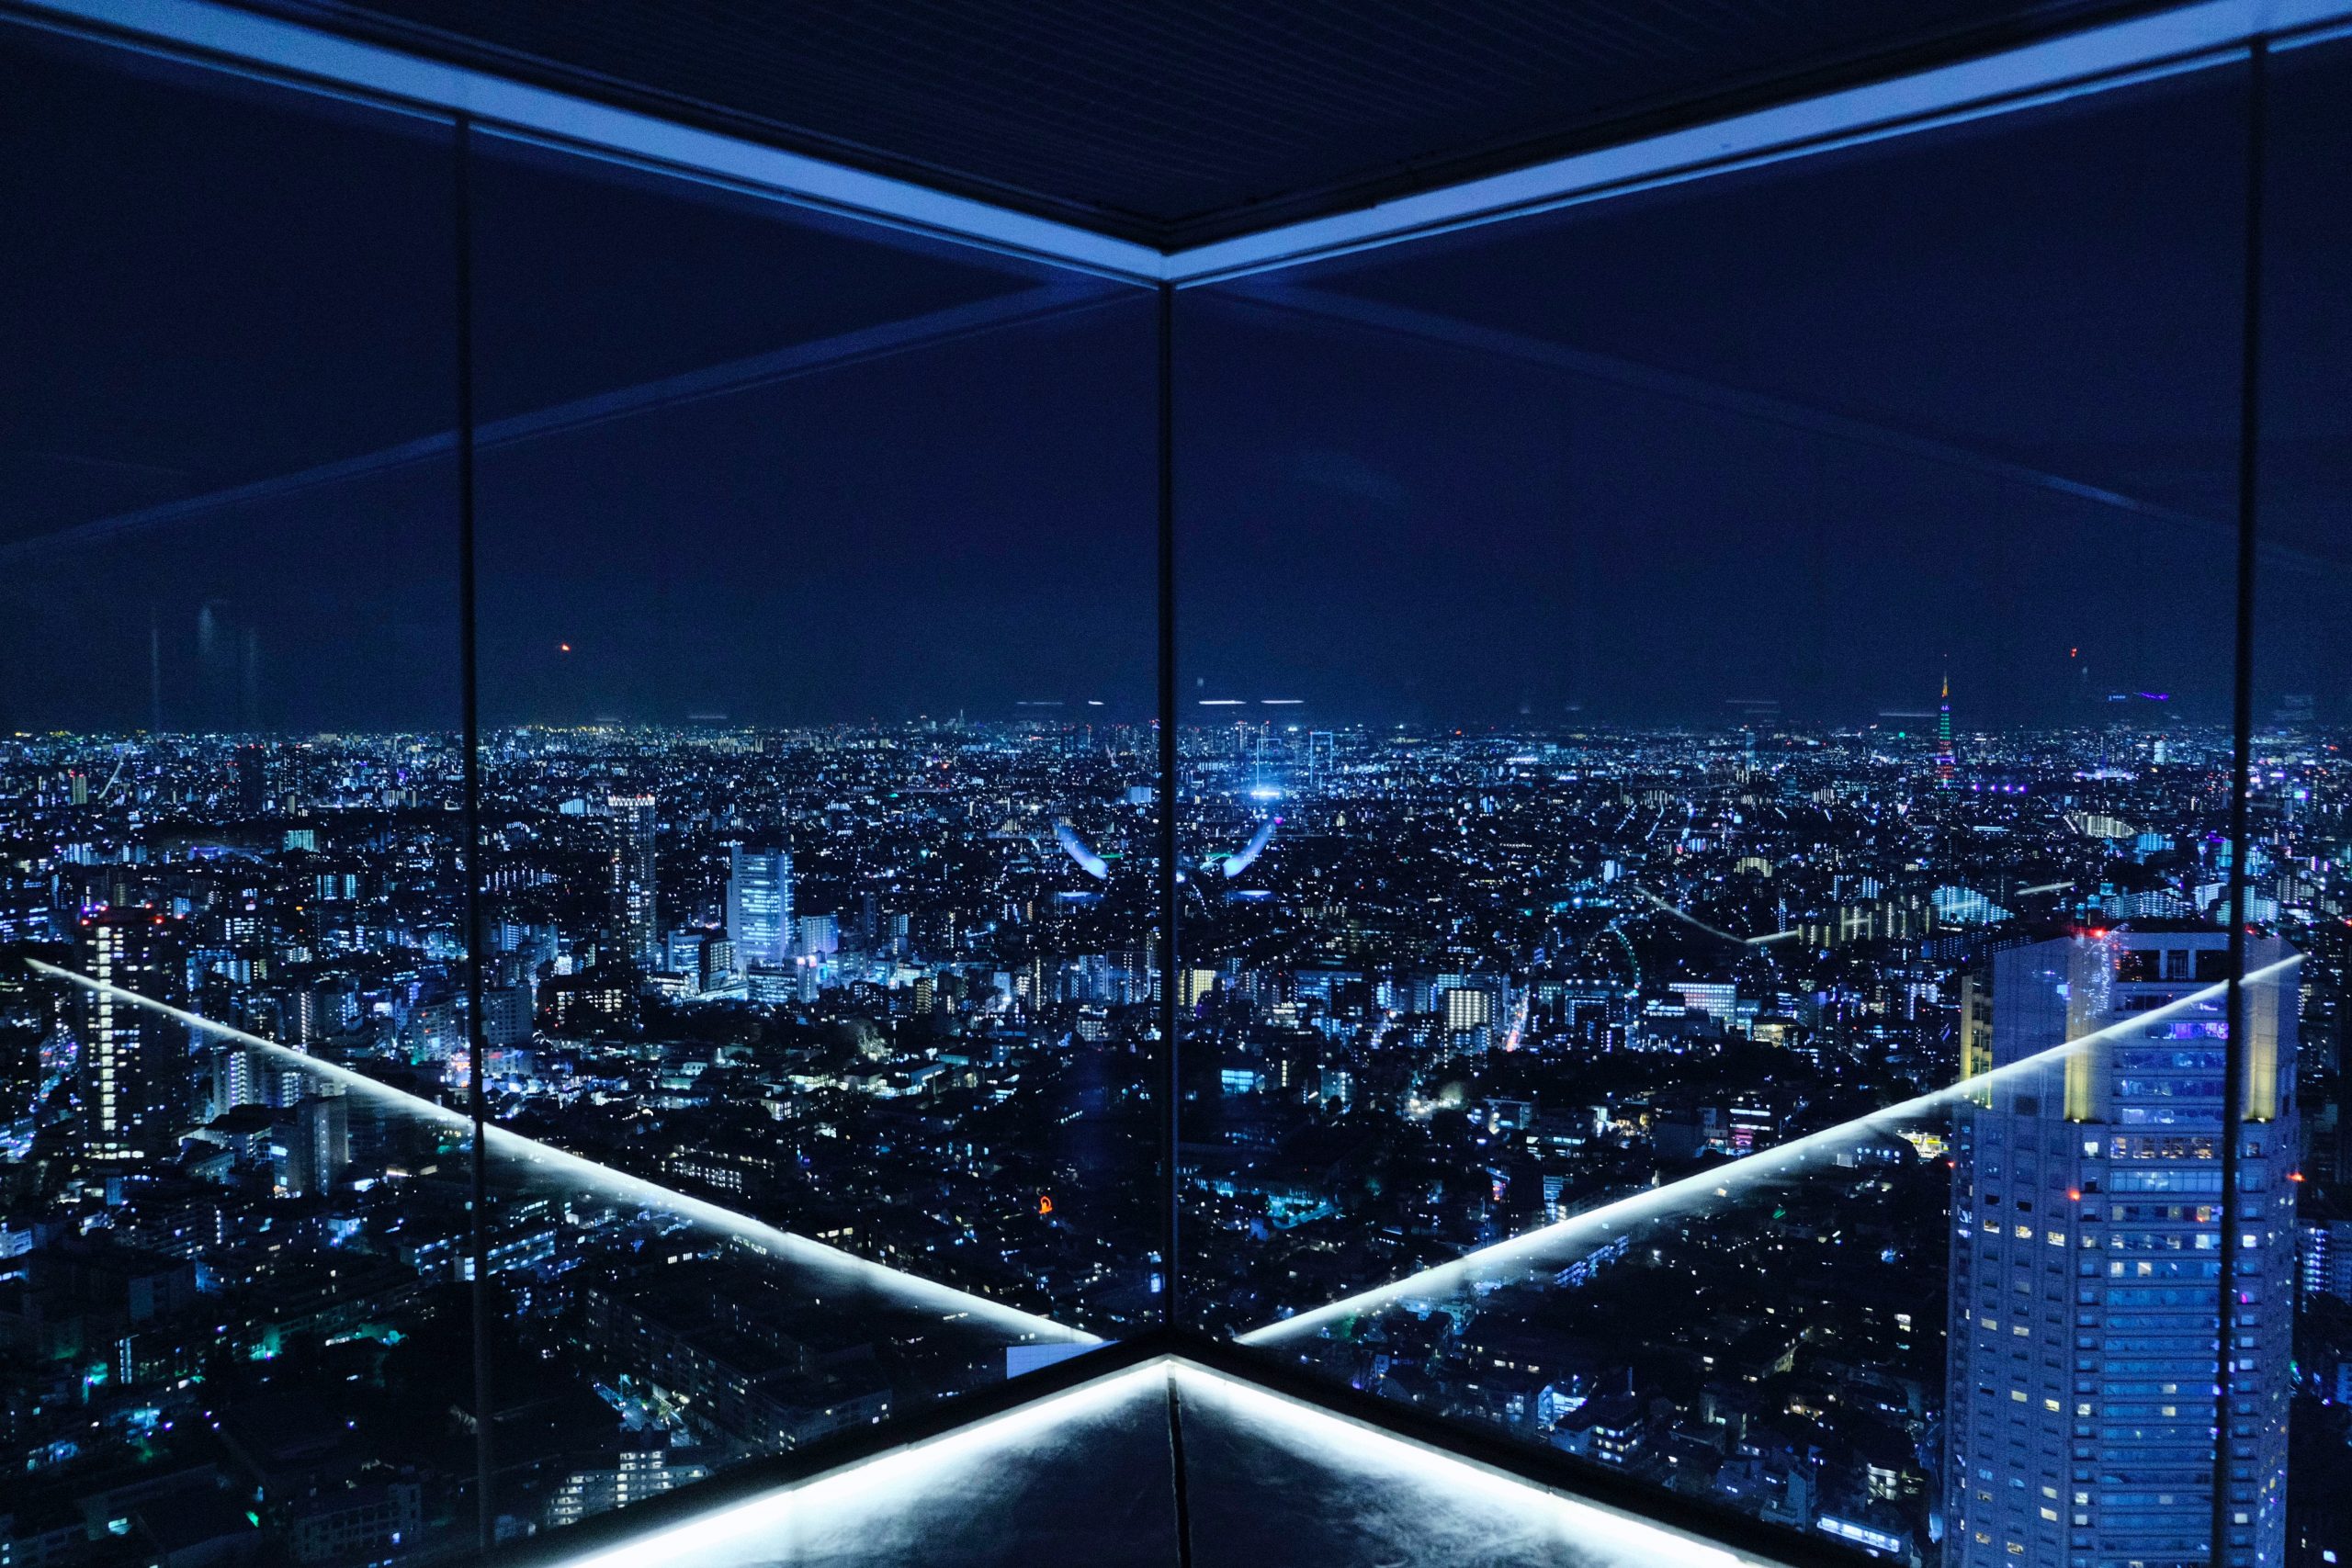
(633, 912)
(759, 903)
(134, 1070)
(2087, 1229)
(318, 1147)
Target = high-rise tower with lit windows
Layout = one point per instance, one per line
(759, 903)
(134, 1070)
(634, 922)
(2087, 1229)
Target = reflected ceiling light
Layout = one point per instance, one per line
(838, 1270)
(1689, 919)
(1549, 1245)
(861, 346)
(1247, 856)
(1279, 293)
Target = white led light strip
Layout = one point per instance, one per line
(2092, 59)
(311, 55)
(2095, 59)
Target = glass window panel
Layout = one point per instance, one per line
(232, 778)
(1724, 659)
(2295, 864)
(815, 603)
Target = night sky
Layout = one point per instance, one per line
(1803, 436)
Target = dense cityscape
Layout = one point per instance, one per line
(897, 989)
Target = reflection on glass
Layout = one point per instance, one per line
(647, 1337)
(275, 1286)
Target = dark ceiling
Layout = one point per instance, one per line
(1183, 121)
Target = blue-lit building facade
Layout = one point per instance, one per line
(759, 905)
(2086, 1232)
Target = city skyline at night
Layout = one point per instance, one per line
(1449, 788)
(1695, 947)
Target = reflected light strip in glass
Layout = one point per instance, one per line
(545, 1159)
(2093, 60)
(859, 348)
(1695, 923)
(280, 46)
(1283, 295)
(959, 1460)
(1601, 1536)
(1562, 1238)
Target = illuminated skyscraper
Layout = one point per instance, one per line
(318, 1146)
(134, 1067)
(1946, 759)
(821, 935)
(2086, 1259)
(1975, 1027)
(759, 903)
(633, 911)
